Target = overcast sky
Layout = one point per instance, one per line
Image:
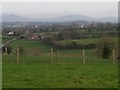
(52, 9)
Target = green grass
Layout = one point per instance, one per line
(87, 41)
(59, 76)
(5, 38)
(35, 69)
(63, 59)
(30, 45)
(39, 72)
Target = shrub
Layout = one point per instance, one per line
(105, 47)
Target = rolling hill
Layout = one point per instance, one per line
(67, 18)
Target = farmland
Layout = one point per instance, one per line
(87, 41)
(59, 45)
(35, 69)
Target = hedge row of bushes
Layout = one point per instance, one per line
(69, 45)
(75, 45)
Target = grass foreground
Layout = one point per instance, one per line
(36, 71)
(60, 76)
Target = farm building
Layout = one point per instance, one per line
(33, 37)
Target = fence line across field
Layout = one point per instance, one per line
(58, 56)
(83, 56)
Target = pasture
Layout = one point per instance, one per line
(60, 76)
(35, 69)
(88, 41)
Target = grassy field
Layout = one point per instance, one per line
(6, 38)
(59, 76)
(36, 71)
(87, 41)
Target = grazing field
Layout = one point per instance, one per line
(88, 41)
(60, 76)
(35, 69)
(6, 38)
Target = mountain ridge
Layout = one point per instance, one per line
(66, 18)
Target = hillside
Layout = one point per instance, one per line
(67, 18)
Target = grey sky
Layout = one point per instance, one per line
(52, 9)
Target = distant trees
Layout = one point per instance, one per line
(76, 45)
(70, 30)
(68, 45)
(105, 47)
(72, 34)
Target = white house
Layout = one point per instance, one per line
(10, 33)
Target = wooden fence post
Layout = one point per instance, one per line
(6, 50)
(17, 53)
(113, 56)
(83, 57)
(58, 54)
(51, 55)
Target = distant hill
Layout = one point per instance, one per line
(108, 19)
(14, 18)
(68, 18)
